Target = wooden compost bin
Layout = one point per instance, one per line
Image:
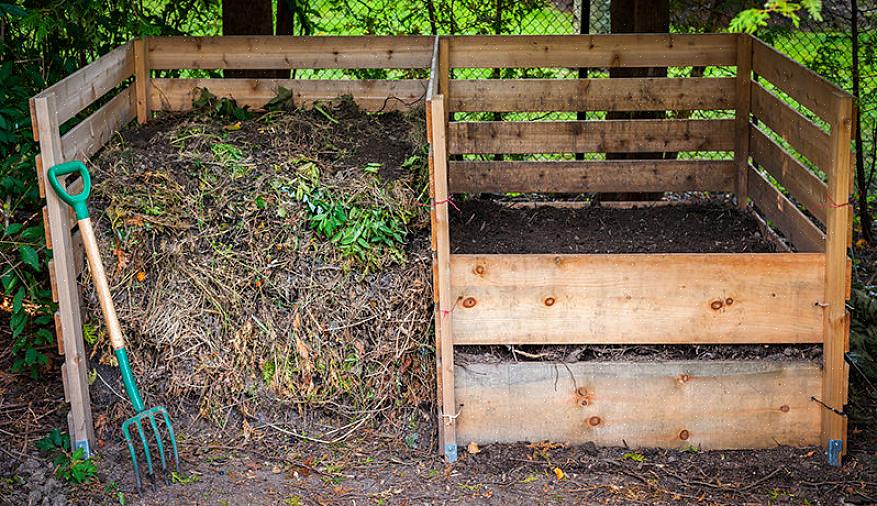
(637, 299)
(110, 77)
(595, 299)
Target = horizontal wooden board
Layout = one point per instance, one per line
(81, 88)
(802, 84)
(631, 94)
(371, 95)
(616, 50)
(602, 136)
(591, 176)
(637, 299)
(801, 133)
(784, 215)
(802, 184)
(268, 52)
(704, 404)
(86, 138)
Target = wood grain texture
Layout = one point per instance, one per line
(741, 118)
(802, 184)
(81, 88)
(836, 373)
(710, 405)
(615, 50)
(601, 136)
(269, 52)
(784, 215)
(801, 133)
(591, 176)
(141, 80)
(802, 84)
(637, 298)
(76, 361)
(370, 95)
(90, 135)
(633, 94)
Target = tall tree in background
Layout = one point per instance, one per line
(256, 17)
(637, 16)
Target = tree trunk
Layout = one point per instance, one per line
(637, 16)
(248, 17)
(861, 180)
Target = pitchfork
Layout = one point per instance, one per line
(78, 203)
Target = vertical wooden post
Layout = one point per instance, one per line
(835, 372)
(142, 86)
(442, 261)
(75, 366)
(741, 130)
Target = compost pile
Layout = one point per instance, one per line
(272, 262)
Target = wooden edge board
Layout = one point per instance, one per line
(591, 176)
(283, 52)
(604, 136)
(803, 185)
(801, 133)
(371, 95)
(605, 50)
(81, 88)
(685, 298)
(433, 87)
(141, 80)
(784, 215)
(769, 233)
(41, 182)
(741, 119)
(598, 94)
(90, 135)
(59, 337)
(802, 84)
(711, 405)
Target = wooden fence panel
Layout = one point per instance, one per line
(794, 225)
(86, 138)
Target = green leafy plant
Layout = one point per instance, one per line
(634, 456)
(221, 108)
(70, 466)
(751, 20)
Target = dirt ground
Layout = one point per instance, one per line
(268, 465)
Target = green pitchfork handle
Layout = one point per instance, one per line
(86, 231)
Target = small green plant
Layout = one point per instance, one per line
(220, 108)
(113, 490)
(229, 156)
(70, 466)
(750, 20)
(691, 449)
(634, 456)
(181, 479)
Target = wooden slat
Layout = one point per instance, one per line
(41, 183)
(83, 87)
(86, 138)
(442, 258)
(836, 374)
(59, 337)
(701, 404)
(633, 94)
(615, 136)
(805, 86)
(46, 228)
(802, 184)
(371, 95)
(784, 215)
(801, 133)
(617, 50)
(741, 118)
(591, 176)
(637, 299)
(141, 80)
(81, 427)
(261, 52)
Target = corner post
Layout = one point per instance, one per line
(142, 85)
(438, 121)
(835, 331)
(75, 368)
(741, 117)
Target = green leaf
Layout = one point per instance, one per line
(12, 228)
(30, 257)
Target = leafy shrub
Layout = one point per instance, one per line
(71, 467)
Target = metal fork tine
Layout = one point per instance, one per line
(158, 444)
(170, 431)
(146, 452)
(130, 442)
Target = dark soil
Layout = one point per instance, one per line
(484, 226)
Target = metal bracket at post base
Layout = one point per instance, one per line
(86, 448)
(451, 453)
(835, 448)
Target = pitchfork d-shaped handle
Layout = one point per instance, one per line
(79, 204)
